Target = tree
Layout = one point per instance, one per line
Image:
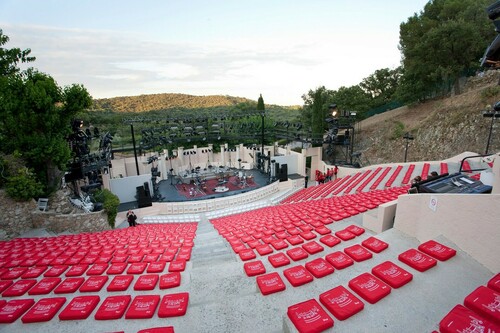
(36, 116)
(441, 44)
(260, 103)
(10, 58)
(381, 85)
(315, 110)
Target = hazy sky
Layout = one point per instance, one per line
(280, 49)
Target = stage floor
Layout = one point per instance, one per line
(170, 193)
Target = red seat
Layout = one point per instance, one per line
(55, 271)
(313, 247)
(33, 272)
(44, 286)
(319, 267)
(4, 284)
(146, 282)
(136, 268)
(247, 254)
(93, 284)
(77, 270)
(80, 307)
(461, 319)
(329, 240)
(254, 268)
(19, 288)
(97, 269)
(270, 283)
(14, 309)
(437, 250)
(113, 307)
(485, 302)
(279, 244)
(417, 260)
(298, 275)
(170, 280)
(173, 305)
(309, 317)
(69, 285)
(164, 329)
(278, 260)
(339, 260)
(297, 253)
(295, 240)
(120, 283)
(143, 307)
(156, 267)
(358, 253)
(44, 310)
(375, 244)
(341, 302)
(14, 273)
(355, 229)
(370, 288)
(392, 274)
(345, 235)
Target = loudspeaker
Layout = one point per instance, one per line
(146, 189)
(143, 200)
(276, 170)
(284, 173)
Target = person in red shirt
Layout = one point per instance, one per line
(335, 171)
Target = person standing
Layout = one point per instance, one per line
(131, 218)
(335, 171)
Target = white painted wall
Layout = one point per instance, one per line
(125, 188)
(472, 221)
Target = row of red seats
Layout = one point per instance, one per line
(425, 171)
(382, 176)
(408, 174)
(356, 183)
(394, 175)
(480, 311)
(81, 307)
(368, 180)
(310, 316)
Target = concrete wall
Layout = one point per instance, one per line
(125, 188)
(472, 221)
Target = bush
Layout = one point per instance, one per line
(398, 130)
(23, 186)
(110, 203)
(490, 92)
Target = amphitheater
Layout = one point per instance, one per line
(356, 254)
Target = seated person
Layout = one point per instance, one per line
(416, 180)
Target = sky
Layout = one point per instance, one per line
(278, 48)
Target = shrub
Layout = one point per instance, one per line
(490, 92)
(110, 203)
(398, 130)
(23, 185)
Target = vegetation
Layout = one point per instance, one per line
(110, 203)
(35, 119)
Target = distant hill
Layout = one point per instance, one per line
(145, 103)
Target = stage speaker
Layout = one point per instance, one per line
(146, 189)
(143, 200)
(276, 170)
(284, 173)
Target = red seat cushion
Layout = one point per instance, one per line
(116, 268)
(146, 282)
(44, 310)
(298, 275)
(77, 270)
(392, 274)
(494, 283)
(417, 260)
(173, 305)
(339, 260)
(297, 253)
(97, 269)
(170, 280)
(93, 284)
(177, 266)
(247, 254)
(308, 235)
(375, 244)
(4, 284)
(345, 235)
(279, 244)
(264, 249)
(14, 273)
(309, 317)
(461, 319)
(254, 268)
(80, 307)
(270, 283)
(113, 307)
(329, 240)
(295, 240)
(19, 288)
(120, 283)
(14, 309)
(319, 267)
(143, 307)
(341, 302)
(55, 271)
(437, 250)
(69, 285)
(44, 286)
(313, 247)
(323, 230)
(485, 302)
(156, 267)
(33, 272)
(370, 288)
(355, 229)
(358, 253)
(278, 260)
(136, 268)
